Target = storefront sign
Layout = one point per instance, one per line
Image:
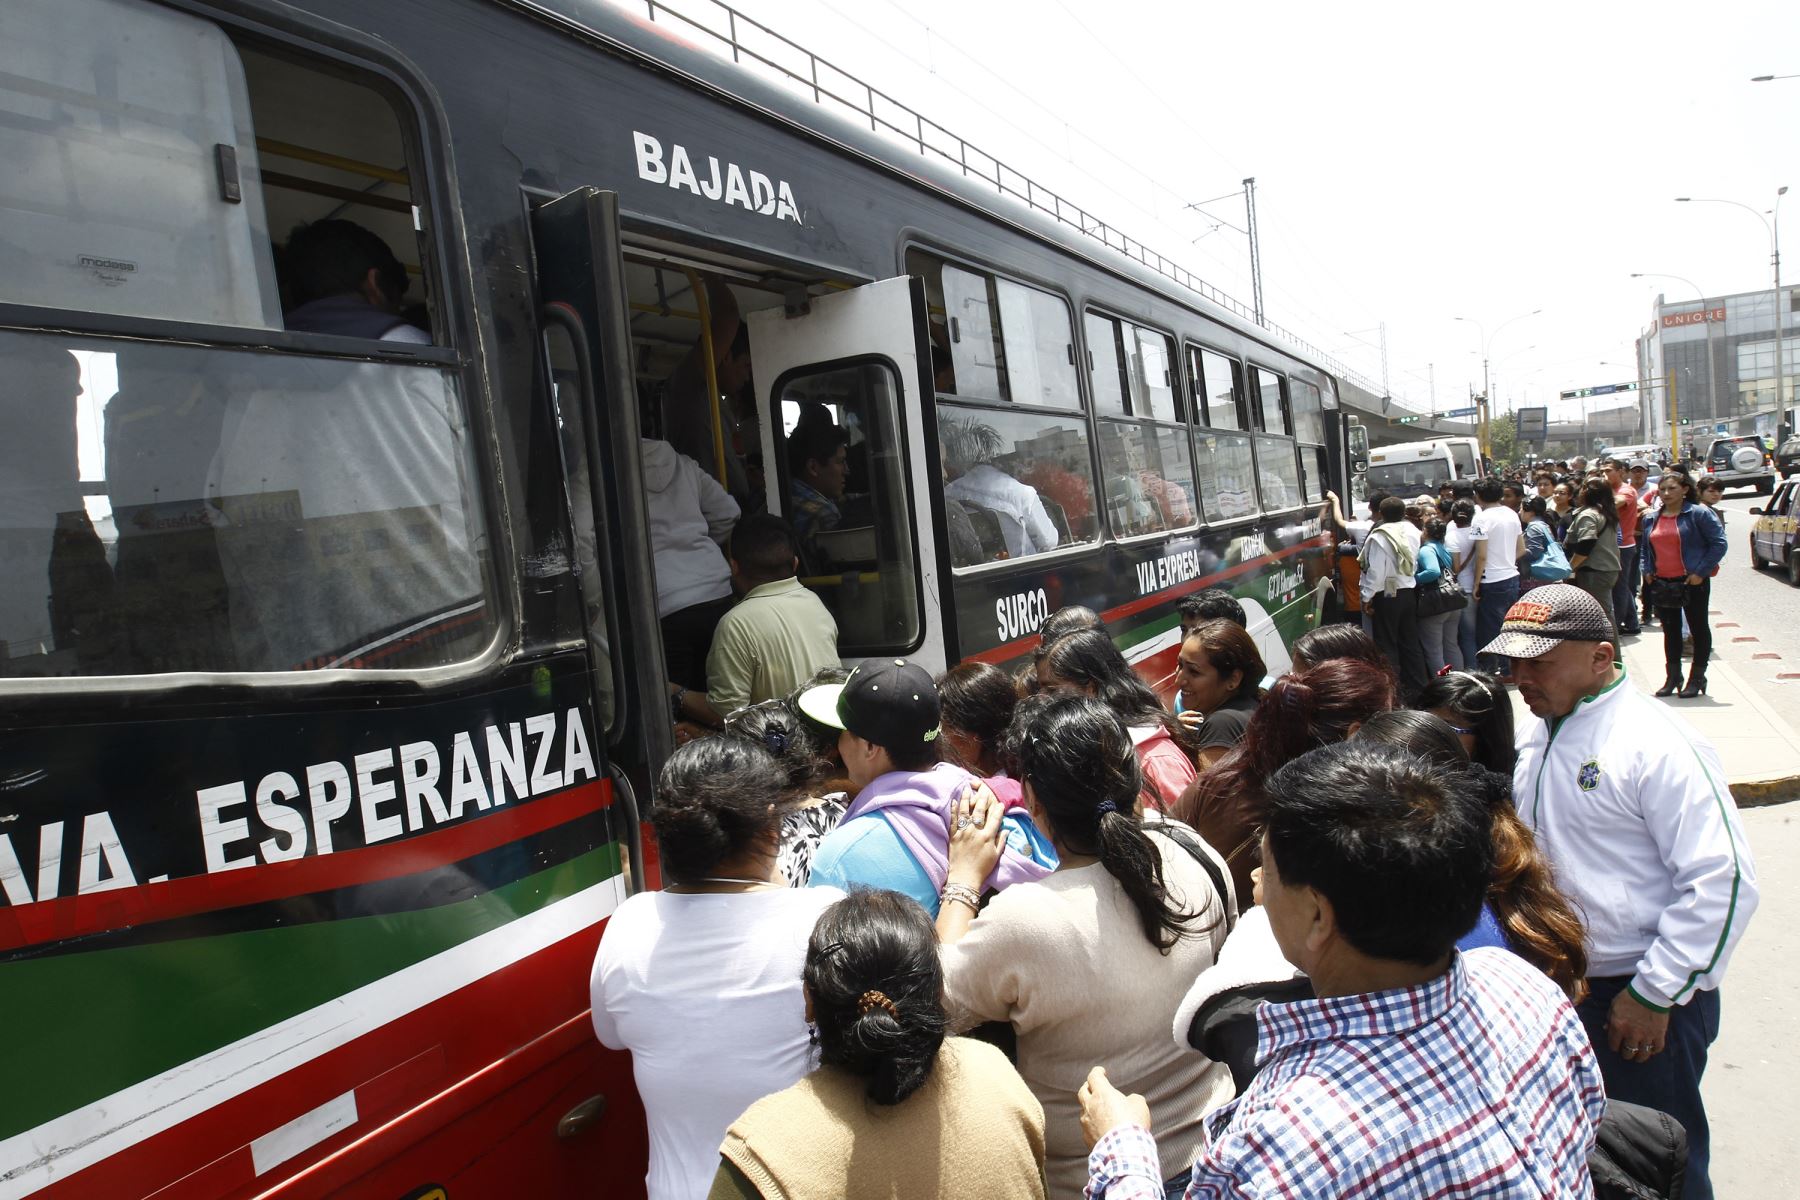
(1671, 320)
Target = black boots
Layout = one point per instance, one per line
(1696, 684)
(1670, 686)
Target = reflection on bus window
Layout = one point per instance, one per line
(1152, 375)
(1270, 418)
(996, 340)
(227, 510)
(1148, 475)
(1225, 473)
(1313, 472)
(847, 500)
(1106, 367)
(1309, 412)
(1025, 479)
(1219, 385)
(1279, 472)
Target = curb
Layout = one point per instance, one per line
(1759, 793)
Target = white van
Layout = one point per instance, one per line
(1421, 468)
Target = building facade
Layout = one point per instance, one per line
(1713, 361)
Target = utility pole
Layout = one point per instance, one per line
(1674, 424)
(1256, 288)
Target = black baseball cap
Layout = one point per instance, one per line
(888, 701)
(1546, 617)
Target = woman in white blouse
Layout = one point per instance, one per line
(1129, 901)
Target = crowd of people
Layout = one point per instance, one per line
(1435, 575)
(1039, 934)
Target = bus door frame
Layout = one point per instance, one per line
(885, 320)
(580, 277)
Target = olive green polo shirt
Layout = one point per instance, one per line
(775, 639)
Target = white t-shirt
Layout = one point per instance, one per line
(1460, 541)
(704, 990)
(1499, 527)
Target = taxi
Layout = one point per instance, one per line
(1775, 537)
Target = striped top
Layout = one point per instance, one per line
(1480, 1082)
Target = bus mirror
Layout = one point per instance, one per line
(1359, 449)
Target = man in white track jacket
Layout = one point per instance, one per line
(1632, 808)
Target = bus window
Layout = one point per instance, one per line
(856, 545)
(1025, 479)
(996, 340)
(131, 167)
(1278, 472)
(1309, 430)
(183, 506)
(1106, 367)
(1040, 347)
(1266, 385)
(1149, 477)
(1225, 474)
(1218, 389)
(1314, 471)
(1152, 375)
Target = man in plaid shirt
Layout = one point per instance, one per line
(1418, 1071)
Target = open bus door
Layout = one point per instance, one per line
(860, 358)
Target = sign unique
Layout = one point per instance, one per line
(1697, 317)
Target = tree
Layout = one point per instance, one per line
(1503, 440)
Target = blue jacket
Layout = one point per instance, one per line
(1702, 542)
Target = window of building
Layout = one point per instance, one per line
(997, 340)
(1218, 384)
(182, 506)
(856, 546)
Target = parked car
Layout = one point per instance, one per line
(1775, 537)
(1741, 461)
(1787, 457)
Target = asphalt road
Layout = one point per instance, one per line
(1759, 606)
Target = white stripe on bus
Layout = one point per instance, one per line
(58, 1148)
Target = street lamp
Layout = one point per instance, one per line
(1775, 257)
(1768, 78)
(1486, 344)
(1712, 358)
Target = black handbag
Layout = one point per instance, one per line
(1441, 597)
(1668, 593)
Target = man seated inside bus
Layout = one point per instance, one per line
(687, 409)
(818, 466)
(342, 279)
(972, 447)
(776, 638)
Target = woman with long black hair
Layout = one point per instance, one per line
(1592, 543)
(1129, 900)
(1088, 663)
(896, 1107)
(1477, 707)
(1685, 545)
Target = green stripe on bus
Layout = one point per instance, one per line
(146, 1009)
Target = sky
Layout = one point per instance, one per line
(1414, 163)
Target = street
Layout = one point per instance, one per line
(1759, 607)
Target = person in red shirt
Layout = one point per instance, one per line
(1626, 589)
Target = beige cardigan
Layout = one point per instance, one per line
(1065, 960)
(971, 1132)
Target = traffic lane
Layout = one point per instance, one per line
(1759, 605)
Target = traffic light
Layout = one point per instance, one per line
(1406, 421)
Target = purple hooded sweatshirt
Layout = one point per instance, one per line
(918, 805)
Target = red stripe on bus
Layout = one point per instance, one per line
(1019, 646)
(97, 912)
(499, 1060)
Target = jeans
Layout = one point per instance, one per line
(1437, 635)
(1465, 632)
(1625, 591)
(1671, 1080)
(1694, 607)
(1496, 598)
(1396, 620)
(1176, 1188)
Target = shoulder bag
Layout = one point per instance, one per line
(1446, 595)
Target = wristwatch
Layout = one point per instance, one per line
(675, 699)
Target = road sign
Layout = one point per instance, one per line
(1459, 412)
(1605, 389)
(1533, 424)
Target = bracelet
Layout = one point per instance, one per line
(962, 893)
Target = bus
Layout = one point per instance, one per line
(330, 671)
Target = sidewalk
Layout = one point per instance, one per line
(1760, 750)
